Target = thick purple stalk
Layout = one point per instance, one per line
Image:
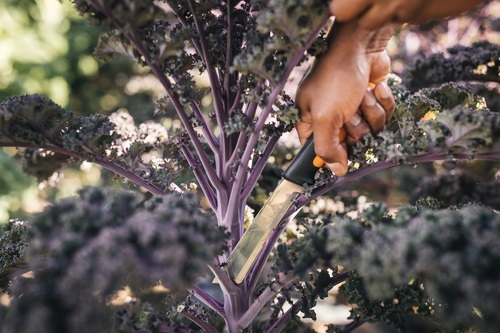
(240, 178)
(283, 281)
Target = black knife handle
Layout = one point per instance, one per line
(302, 170)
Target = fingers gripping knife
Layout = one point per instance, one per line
(301, 171)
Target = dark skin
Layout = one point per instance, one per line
(347, 87)
(374, 14)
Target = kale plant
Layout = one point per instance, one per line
(119, 261)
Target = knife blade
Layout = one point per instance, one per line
(301, 171)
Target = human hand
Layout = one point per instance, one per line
(336, 95)
(372, 14)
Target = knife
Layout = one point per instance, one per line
(301, 171)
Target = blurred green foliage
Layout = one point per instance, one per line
(47, 49)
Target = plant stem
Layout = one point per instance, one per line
(258, 267)
(200, 176)
(259, 166)
(285, 319)
(212, 75)
(283, 281)
(376, 167)
(226, 284)
(133, 38)
(185, 24)
(240, 178)
(209, 301)
(220, 113)
(208, 134)
(352, 326)
(205, 326)
(209, 170)
(228, 76)
(118, 169)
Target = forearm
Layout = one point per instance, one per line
(373, 14)
(443, 9)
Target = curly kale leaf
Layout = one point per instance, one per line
(111, 43)
(479, 61)
(128, 13)
(452, 251)
(394, 310)
(33, 121)
(292, 19)
(446, 120)
(409, 263)
(92, 246)
(460, 130)
(282, 27)
(50, 133)
(14, 239)
(445, 187)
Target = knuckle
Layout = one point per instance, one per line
(374, 114)
(356, 134)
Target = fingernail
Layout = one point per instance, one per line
(337, 168)
(355, 120)
(382, 91)
(369, 98)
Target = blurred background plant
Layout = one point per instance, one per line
(46, 48)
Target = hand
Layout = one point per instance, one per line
(372, 14)
(335, 95)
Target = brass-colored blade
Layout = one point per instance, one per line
(246, 251)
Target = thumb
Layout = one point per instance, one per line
(329, 146)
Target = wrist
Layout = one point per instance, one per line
(379, 40)
(350, 36)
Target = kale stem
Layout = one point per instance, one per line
(259, 166)
(258, 267)
(209, 170)
(209, 135)
(116, 168)
(352, 326)
(212, 75)
(376, 167)
(200, 176)
(133, 38)
(283, 281)
(186, 25)
(228, 77)
(205, 326)
(285, 319)
(209, 301)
